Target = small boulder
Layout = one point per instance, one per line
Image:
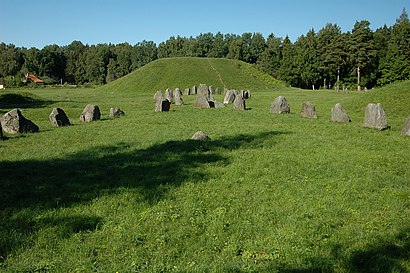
(14, 122)
(59, 118)
(187, 92)
(200, 136)
(405, 130)
(375, 117)
(280, 106)
(116, 112)
(308, 110)
(90, 113)
(339, 114)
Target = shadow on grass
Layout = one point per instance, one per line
(21, 100)
(79, 178)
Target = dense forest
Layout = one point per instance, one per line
(329, 58)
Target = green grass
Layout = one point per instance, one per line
(268, 193)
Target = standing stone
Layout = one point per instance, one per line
(177, 97)
(200, 136)
(194, 90)
(308, 110)
(239, 103)
(375, 117)
(405, 131)
(168, 94)
(203, 90)
(246, 94)
(187, 92)
(211, 89)
(162, 105)
(158, 95)
(202, 102)
(280, 106)
(14, 122)
(116, 112)
(339, 114)
(229, 96)
(218, 91)
(59, 118)
(91, 113)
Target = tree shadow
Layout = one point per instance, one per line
(81, 177)
(21, 100)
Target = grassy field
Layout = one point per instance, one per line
(268, 193)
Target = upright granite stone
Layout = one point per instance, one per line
(202, 102)
(194, 90)
(200, 135)
(59, 118)
(239, 103)
(218, 91)
(178, 97)
(211, 89)
(375, 117)
(246, 94)
(203, 90)
(162, 105)
(339, 114)
(187, 92)
(230, 96)
(91, 113)
(116, 112)
(405, 130)
(280, 106)
(308, 110)
(14, 122)
(158, 95)
(168, 94)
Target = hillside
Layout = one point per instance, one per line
(187, 72)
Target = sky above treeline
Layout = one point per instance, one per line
(45, 22)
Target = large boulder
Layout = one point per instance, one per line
(14, 122)
(91, 113)
(375, 117)
(239, 103)
(116, 112)
(178, 97)
(59, 118)
(339, 114)
(308, 110)
(405, 130)
(280, 106)
(200, 135)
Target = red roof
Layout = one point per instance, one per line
(33, 78)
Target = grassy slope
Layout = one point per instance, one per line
(268, 193)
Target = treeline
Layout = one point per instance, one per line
(329, 58)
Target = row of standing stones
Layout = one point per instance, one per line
(374, 116)
(204, 99)
(14, 122)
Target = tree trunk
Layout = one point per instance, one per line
(358, 78)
